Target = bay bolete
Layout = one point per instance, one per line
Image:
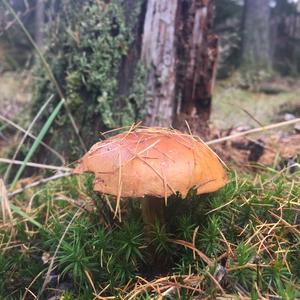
(152, 163)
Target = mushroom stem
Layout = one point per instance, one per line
(152, 210)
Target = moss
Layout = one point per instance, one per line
(88, 43)
(222, 224)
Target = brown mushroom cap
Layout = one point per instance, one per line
(153, 161)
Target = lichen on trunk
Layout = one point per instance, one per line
(94, 52)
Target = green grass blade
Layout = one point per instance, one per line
(6, 175)
(32, 136)
(36, 143)
(20, 212)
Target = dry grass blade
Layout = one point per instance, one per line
(149, 147)
(222, 206)
(143, 287)
(194, 241)
(87, 274)
(292, 228)
(216, 283)
(207, 260)
(22, 15)
(206, 144)
(165, 286)
(36, 183)
(131, 127)
(118, 207)
(27, 289)
(47, 277)
(47, 124)
(5, 207)
(188, 127)
(35, 165)
(18, 127)
(135, 155)
(25, 136)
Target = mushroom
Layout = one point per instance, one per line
(152, 163)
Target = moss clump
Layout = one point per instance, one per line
(88, 42)
(247, 230)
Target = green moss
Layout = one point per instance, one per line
(88, 43)
(233, 222)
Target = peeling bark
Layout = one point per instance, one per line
(180, 53)
(197, 50)
(159, 56)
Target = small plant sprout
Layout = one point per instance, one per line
(152, 164)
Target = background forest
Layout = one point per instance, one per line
(224, 70)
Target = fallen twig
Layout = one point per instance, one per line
(252, 131)
(36, 183)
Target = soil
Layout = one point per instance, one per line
(278, 150)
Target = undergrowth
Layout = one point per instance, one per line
(243, 240)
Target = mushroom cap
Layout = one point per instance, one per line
(152, 161)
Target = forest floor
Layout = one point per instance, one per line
(243, 241)
(15, 93)
(234, 107)
(236, 110)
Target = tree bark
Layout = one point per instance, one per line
(256, 36)
(197, 51)
(159, 56)
(39, 22)
(180, 54)
(159, 50)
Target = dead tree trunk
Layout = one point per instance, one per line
(180, 53)
(159, 56)
(197, 57)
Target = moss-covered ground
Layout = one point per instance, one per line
(240, 242)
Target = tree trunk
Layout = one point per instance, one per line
(159, 56)
(180, 54)
(127, 61)
(39, 22)
(256, 36)
(197, 50)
